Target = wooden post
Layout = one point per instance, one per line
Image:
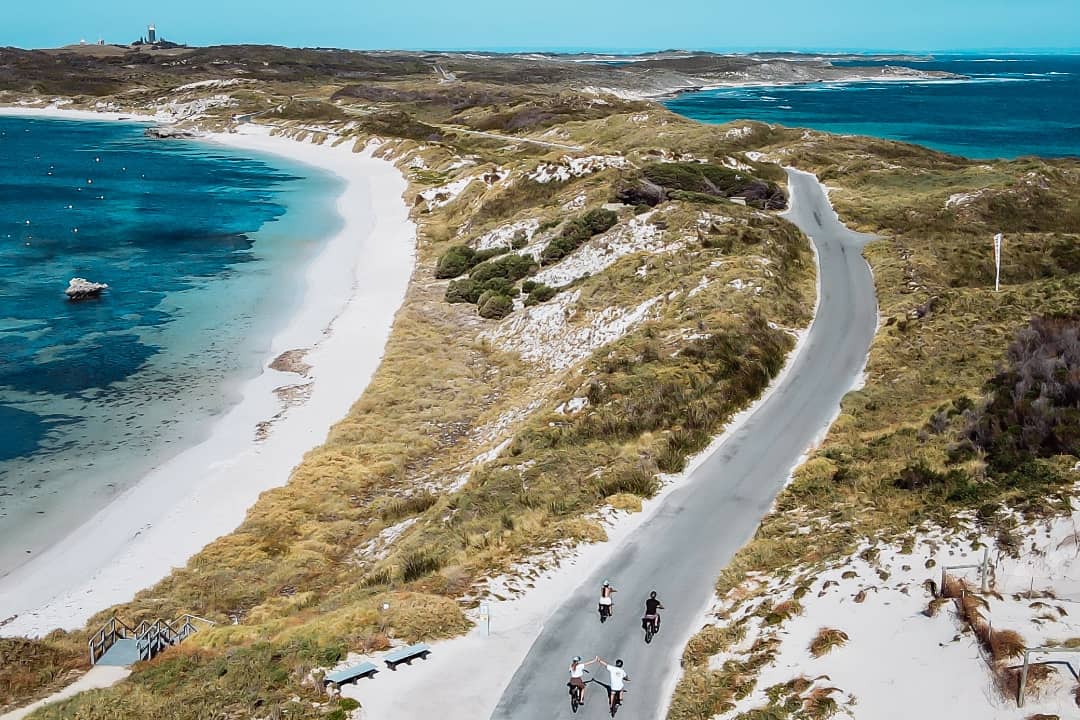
(1023, 679)
(985, 562)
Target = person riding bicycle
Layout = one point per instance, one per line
(652, 611)
(618, 680)
(606, 591)
(577, 679)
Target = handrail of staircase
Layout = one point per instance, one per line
(106, 636)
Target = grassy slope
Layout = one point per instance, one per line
(300, 578)
(944, 334)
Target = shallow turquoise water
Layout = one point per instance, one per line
(200, 246)
(1008, 107)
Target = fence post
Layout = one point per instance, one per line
(1023, 679)
(941, 588)
(985, 562)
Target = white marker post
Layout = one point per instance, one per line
(997, 261)
(485, 616)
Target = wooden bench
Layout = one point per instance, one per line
(406, 655)
(349, 674)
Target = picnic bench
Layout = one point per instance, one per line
(349, 674)
(406, 655)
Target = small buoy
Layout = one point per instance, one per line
(89, 182)
(97, 159)
(75, 230)
(27, 222)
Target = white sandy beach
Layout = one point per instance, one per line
(354, 288)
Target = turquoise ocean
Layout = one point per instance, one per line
(200, 246)
(1007, 106)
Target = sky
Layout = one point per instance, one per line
(628, 25)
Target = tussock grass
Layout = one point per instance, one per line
(826, 640)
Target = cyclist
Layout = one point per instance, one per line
(577, 679)
(618, 680)
(606, 591)
(652, 612)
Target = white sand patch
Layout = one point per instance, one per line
(550, 335)
(702, 284)
(730, 162)
(577, 203)
(571, 167)
(601, 252)
(737, 133)
(380, 546)
(878, 599)
(353, 289)
(958, 200)
(211, 84)
(503, 235)
(176, 110)
(443, 195)
(572, 406)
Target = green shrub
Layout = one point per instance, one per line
(511, 267)
(528, 286)
(455, 261)
(501, 286)
(495, 306)
(465, 290)
(578, 231)
(462, 258)
(348, 704)
(540, 293)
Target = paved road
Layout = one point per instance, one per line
(682, 549)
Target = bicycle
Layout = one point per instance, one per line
(576, 695)
(617, 701)
(651, 625)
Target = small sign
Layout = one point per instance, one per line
(997, 261)
(485, 616)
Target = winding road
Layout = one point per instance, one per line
(681, 550)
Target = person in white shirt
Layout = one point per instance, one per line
(618, 680)
(607, 604)
(577, 679)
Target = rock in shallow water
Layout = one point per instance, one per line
(81, 289)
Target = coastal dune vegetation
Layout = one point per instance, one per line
(589, 308)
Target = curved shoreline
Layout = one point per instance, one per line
(353, 289)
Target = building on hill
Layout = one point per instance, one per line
(151, 34)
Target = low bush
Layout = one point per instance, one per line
(510, 267)
(578, 231)
(540, 294)
(465, 290)
(460, 259)
(494, 306)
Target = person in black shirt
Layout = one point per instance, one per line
(652, 610)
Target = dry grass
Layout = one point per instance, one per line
(826, 640)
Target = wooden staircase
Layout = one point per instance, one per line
(117, 643)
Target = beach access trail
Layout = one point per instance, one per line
(353, 289)
(677, 546)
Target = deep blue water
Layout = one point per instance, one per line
(1009, 107)
(199, 246)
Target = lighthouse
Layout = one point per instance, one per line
(151, 34)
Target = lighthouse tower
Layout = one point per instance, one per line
(151, 34)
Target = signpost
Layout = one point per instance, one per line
(997, 261)
(485, 617)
